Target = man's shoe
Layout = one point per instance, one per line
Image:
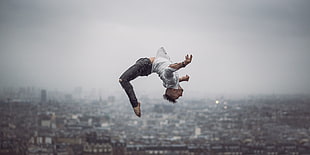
(137, 110)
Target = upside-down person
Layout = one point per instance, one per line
(166, 70)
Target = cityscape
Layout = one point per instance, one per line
(37, 121)
(246, 89)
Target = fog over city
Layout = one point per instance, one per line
(238, 46)
(248, 93)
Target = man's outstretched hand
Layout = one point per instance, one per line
(188, 59)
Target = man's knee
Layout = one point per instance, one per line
(122, 82)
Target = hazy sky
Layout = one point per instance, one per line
(240, 46)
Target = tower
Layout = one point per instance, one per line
(43, 96)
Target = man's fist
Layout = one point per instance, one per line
(184, 78)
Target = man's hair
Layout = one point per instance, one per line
(167, 97)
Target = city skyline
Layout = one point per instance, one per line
(272, 124)
(238, 47)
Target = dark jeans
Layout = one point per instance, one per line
(142, 67)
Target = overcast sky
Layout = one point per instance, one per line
(240, 46)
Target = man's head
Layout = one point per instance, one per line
(173, 94)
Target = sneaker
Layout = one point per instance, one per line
(137, 110)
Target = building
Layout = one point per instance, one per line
(97, 144)
(43, 96)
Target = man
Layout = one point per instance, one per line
(166, 70)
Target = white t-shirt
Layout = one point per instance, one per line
(168, 75)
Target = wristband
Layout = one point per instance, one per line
(183, 64)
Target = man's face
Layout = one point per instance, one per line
(176, 93)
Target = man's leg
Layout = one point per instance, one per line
(142, 67)
(130, 74)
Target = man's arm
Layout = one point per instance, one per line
(184, 78)
(177, 66)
